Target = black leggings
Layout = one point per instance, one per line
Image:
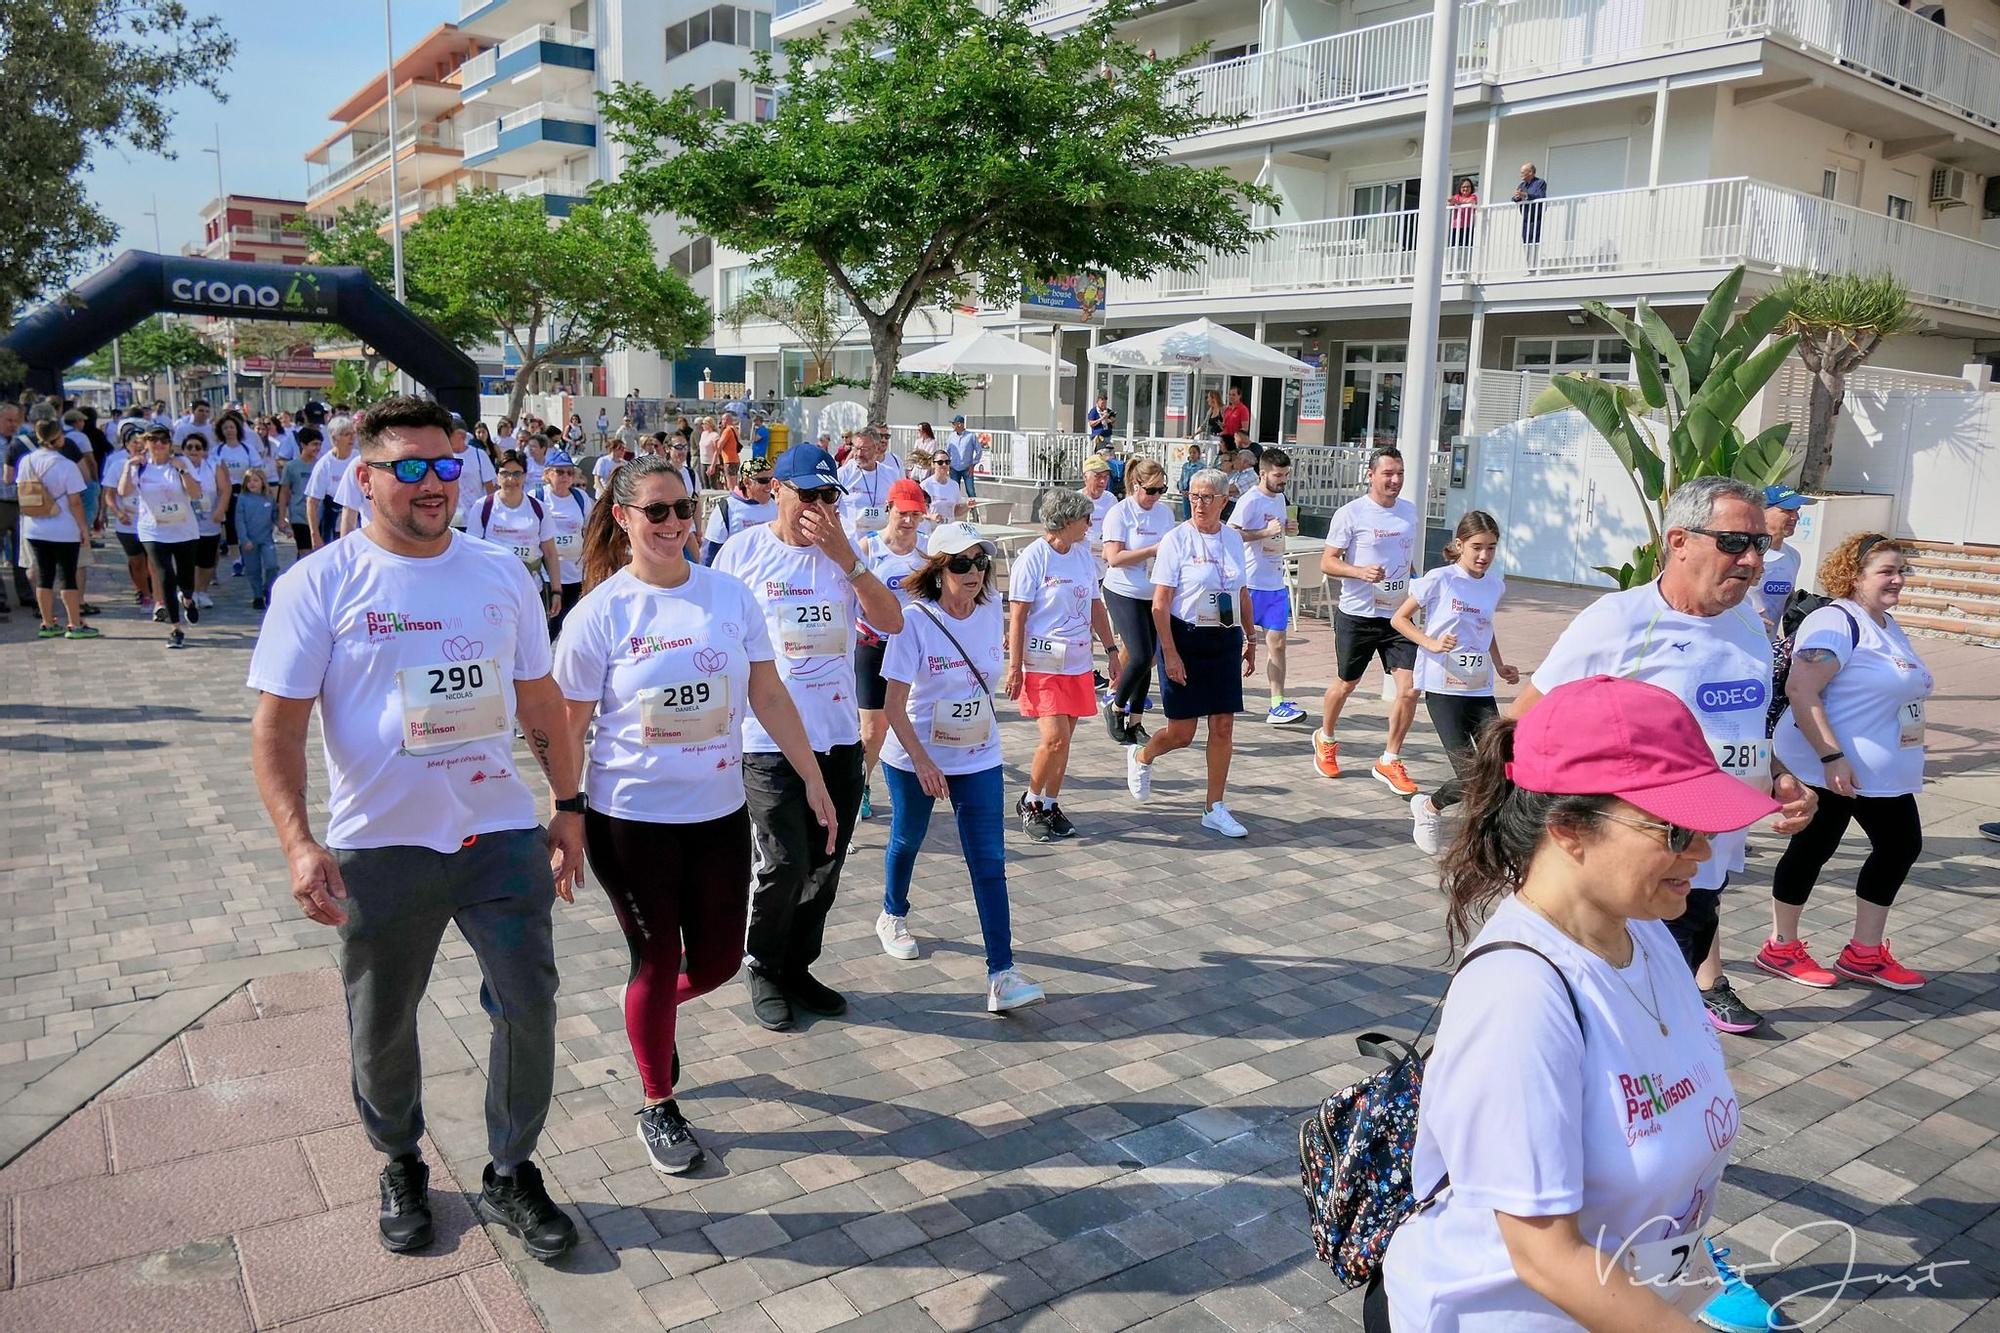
(55, 563)
(1132, 620)
(302, 537)
(1895, 836)
(173, 574)
(1458, 719)
(572, 593)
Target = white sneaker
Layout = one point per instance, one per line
(204, 601)
(1138, 776)
(1010, 990)
(1217, 817)
(896, 939)
(1426, 822)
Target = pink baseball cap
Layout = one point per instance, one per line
(1602, 736)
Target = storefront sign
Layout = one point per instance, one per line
(1073, 298)
(1177, 397)
(1312, 394)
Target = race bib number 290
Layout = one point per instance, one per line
(451, 704)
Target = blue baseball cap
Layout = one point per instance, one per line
(1784, 497)
(807, 466)
(558, 458)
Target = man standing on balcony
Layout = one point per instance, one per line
(1529, 195)
(965, 451)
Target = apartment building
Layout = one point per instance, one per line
(1678, 138)
(530, 111)
(252, 229)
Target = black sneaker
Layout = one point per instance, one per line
(189, 611)
(89, 609)
(670, 1143)
(768, 1002)
(177, 639)
(161, 616)
(1727, 1011)
(813, 996)
(406, 1204)
(1115, 724)
(1036, 824)
(256, 604)
(1021, 804)
(521, 1204)
(1136, 733)
(1059, 821)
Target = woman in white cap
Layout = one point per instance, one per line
(1201, 603)
(1054, 609)
(944, 743)
(568, 509)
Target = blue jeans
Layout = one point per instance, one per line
(964, 478)
(977, 800)
(260, 566)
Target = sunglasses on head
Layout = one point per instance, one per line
(1736, 543)
(965, 564)
(410, 471)
(817, 495)
(1678, 838)
(659, 511)
(1154, 490)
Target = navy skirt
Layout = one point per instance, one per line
(1213, 656)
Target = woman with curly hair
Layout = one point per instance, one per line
(1855, 732)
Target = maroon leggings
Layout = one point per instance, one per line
(669, 883)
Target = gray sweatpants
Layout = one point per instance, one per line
(399, 899)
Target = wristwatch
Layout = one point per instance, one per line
(573, 805)
(860, 568)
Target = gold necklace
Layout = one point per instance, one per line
(1645, 961)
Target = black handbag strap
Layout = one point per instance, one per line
(977, 675)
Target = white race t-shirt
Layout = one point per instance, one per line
(1623, 1126)
(1874, 703)
(326, 474)
(945, 496)
(810, 611)
(669, 671)
(62, 479)
(532, 469)
(166, 510)
(1455, 602)
(1100, 509)
(889, 567)
(238, 458)
(567, 514)
(472, 479)
(735, 514)
(1135, 527)
(208, 474)
(347, 493)
(1253, 513)
(124, 513)
(1372, 535)
(865, 506)
(1769, 593)
(1206, 570)
(1719, 666)
(1058, 589)
(518, 528)
(948, 708)
(404, 655)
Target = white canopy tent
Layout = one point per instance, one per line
(1199, 345)
(984, 352)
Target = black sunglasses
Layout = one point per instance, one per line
(1678, 838)
(657, 512)
(1154, 490)
(818, 495)
(410, 471)
(1736, 543)
(965, 564)
(762, 479)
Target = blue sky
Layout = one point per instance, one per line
(295, 61)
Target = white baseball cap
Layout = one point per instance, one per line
(957, 538)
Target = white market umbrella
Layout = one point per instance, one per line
(981, 352)
(1199, 345)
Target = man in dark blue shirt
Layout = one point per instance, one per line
(1533, 189)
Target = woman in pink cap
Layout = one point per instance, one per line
(1576, 1102)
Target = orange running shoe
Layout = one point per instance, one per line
(1392, 774)
(1326, 755)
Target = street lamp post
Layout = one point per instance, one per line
(222, 205)
(395, 188)
(173, 394)
(1420, 408)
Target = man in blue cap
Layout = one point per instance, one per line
(804, 572)
(1770, 592)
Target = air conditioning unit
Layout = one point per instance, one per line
(1950, 188)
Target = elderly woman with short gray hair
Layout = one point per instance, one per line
(1201, 605)
(1054, 609)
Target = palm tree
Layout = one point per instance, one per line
(1840, 319)
(803, 301)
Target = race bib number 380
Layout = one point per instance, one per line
(451, 704)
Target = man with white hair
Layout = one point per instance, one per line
(322, 506)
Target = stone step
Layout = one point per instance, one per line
(1958, 605)
(1954, 566)
(1973, 550)
(1964, 630)
(1951, 585)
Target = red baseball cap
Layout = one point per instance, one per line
(909, 497)
(1602, 736)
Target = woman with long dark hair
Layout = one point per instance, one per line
(663, 656)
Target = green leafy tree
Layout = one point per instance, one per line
(1840, 320)
(940, 150)
(149, 349)
(803, 300)
(355, 237)
(83, 75)
(555, 290)
(1709, 380)
(360, 384)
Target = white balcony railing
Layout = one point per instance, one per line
(546, 185)
(546, 32)
(480, 68)
(1687, 228)
(439, 133)
(482, 138)
(1365, 64)
(528, 115)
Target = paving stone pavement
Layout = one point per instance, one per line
(1122, 1156)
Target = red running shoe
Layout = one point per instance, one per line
(1791, 961)
(1876, 965)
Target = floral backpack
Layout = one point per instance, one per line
(1356, 1153)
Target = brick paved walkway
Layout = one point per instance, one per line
(1121, 1156)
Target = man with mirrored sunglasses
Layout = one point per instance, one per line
(804, 572)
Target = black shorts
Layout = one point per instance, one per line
(871, 692)
(1356, 639)
(55, 563)
(204, 550)
(133, 549)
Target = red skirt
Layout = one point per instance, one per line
(1044, 694)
